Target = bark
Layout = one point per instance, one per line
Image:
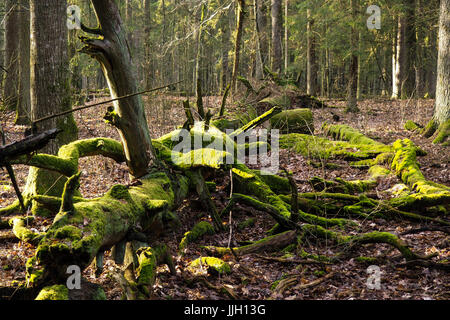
(311, 68)
(277, 27)
(49, 89)
(23, 113)
(353, 72)
(11, 62)
(442, 104)
(259, 72)
(404, 60)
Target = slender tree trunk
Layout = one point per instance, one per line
(147, 44)
(11, 63)
(259, 72)
(311, 71)
(237, 43)
(405, 53)
(276, 36)
(442, 104)
(225, 36)
(286, 36)
(353, 71)
(23, 114)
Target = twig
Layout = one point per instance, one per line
(297, 261)
(104, 102)
(314, 283)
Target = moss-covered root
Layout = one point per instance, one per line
(268, 244)
(20, 230)
(148, 260)
(350, 243)
(213, 265)
(199, 230)
(412, 126)
(13, 208)
(405, 166)
(347, 133)
(442, 134)
(342, 186)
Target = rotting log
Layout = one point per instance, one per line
(293, 121)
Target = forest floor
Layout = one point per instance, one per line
(254, 276)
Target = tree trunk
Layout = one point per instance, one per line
(442, 104)
(286, 37)
(404, 76)
(23, 114)
(237, 43)
(259, 68)
(128, 115)
(311, 72)
(353, 72)
(50, 91)
(277, 24)
(11, 63)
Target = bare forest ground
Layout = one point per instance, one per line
(255, 276)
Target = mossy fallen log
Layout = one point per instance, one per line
(293, 121)
(321, 148)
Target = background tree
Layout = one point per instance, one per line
(50, 91)
(23, 114)
(11, 60)
(277, 31)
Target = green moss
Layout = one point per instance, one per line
(295, 120)
(282, 101)
(405, 165)
(67, 232)
(247, 223)
(199, 230)
(347, 133)
(55, 292)
(276, 183)
(377, 171)
(146, 272)
(214, 265)
(22, 232)
(443, 132)
(412, 126)
(321, 148)
(99, 294)
(366, 260)
(224, 124)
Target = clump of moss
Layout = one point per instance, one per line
(199, 230)
(212, 264)
(412, 126)
(56, 292)
(247, 223)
